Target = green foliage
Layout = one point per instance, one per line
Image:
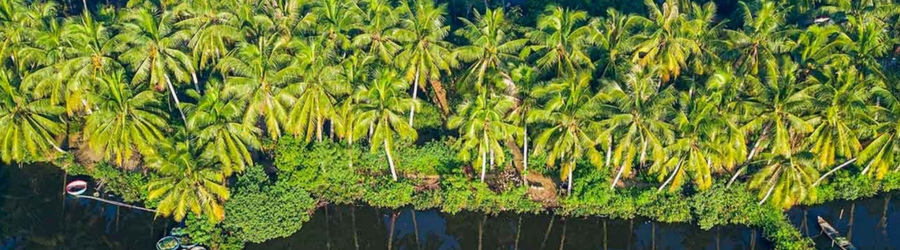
(389, 194)
(261, 210)
(204, 233)
(131, 186)
(665, 207)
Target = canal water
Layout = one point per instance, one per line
(34, 214)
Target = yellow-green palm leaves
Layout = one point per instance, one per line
(636, 128)
(666, 41)
(128, 120)
(257, 74)
(215, 122)
(786, 179)
(563, 38)
(492, 44)
(380, 113)
(569, 115)
(483, 125)
(187, 183)
(29, 125)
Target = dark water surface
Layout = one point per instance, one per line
(35, 215)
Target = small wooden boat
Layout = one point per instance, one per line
(168, 243)
(835, 236)
(76, 187)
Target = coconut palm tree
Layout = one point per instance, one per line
(881, 155)
(763, 37)
(317, 92)
(188, 182)
(841, 118)
(128, 120)
(426, 53)
(786, 179)
(818, 49)
(665, 41)
(155, 53)
(210, 32)
(870, 43)
(335, 19)
(569, 115)
(93, 47)
(616, 42)
(636, 126)
(380, 110)
(483, 125)
(703, 146)
(562, 39)
(381, 36)
(491, 46)
(779, 109)
(30, 124)
(216, 125)
(258, 75)
(47, 54)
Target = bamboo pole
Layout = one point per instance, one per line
(113, 202)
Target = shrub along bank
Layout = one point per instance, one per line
(264, 207)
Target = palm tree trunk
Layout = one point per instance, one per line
(492, 158)
(769, 193)
(175, 97)
(866, 170)
(412, 111)
(196, 82)
(571, 171)
(319, 127)
(525, 158)
(609, 149)
(618, 175)
(736, 174)
(671, 177)
(387, 150)
(483, 164)
(833, 170)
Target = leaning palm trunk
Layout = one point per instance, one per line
(618, 175)
(412, 110)
(769, 193)
(833, 170)
(387, 150)
(750, 156)
(175, 97)
(671, 177)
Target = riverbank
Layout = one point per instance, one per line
(300, 181)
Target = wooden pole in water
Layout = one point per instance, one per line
(353, 221)
(518, 233)
(883, 222)
(562, 242)
(547, 234)
(416, 228)
(114, 203)
(391, 236)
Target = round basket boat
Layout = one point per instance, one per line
(168, 243)
(76, 187)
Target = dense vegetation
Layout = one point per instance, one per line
(796, 102)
